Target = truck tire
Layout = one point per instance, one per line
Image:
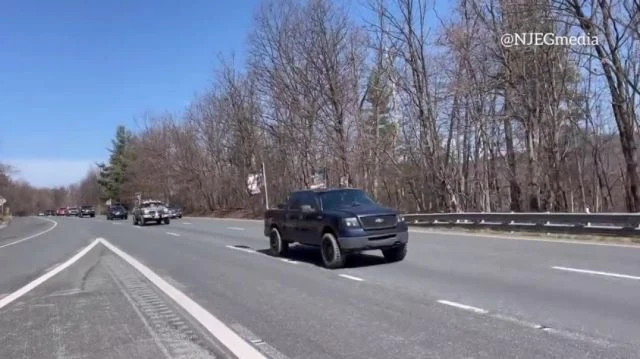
(332, 255)
(167, 221)
(135, 222)
(395, 254)
(277, 246)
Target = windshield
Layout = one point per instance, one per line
(345, 198)
(117, 208)
(86, 207)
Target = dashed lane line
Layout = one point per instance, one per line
(588, 271)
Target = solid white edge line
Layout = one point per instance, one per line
(36, 282)
(55, 224)
(221, 331)
(463, 306)
(587, 271)
(351, 277)
(173, 234)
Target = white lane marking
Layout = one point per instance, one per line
(186, 223)
(236, 228)
(351, 277)
(287, 260)
(221, 331)
(263, 346)
(116, 223)
(36, 282)
(464, 306)
(587, 271)
(173, 234)
(523, 238)
(55, 224)
(242, 249)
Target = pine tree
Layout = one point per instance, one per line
(113, 175)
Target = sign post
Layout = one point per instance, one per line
(2, 202)
(266, 193)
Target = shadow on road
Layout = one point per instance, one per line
(312, 255)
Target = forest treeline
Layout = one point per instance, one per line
(424, 111)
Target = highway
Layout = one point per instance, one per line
(202, 288)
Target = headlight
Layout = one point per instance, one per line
(400, 218)
(146, 211)
(351, 222)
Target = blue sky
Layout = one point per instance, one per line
(73, 70)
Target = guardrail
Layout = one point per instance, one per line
(578, 223)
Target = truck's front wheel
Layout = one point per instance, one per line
(277, 246)
(332, 256)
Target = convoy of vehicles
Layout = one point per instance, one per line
(340, 222)
(151, 211)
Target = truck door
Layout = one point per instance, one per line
(310, 219)
(292, 217)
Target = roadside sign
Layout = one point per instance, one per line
(108, 202)
(2, 201)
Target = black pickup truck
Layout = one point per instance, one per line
(340, 222)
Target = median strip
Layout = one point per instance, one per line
(587, 271)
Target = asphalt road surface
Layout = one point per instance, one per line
(204, 288)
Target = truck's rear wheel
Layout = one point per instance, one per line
(332, 256)
(277, 246)
(395, 254)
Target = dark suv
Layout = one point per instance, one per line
(88, 211)
(117, 212)
(338, 221)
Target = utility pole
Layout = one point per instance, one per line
(266, 193)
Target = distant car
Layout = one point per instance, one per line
(176, 212)
(62, 211)
(151, 211)
(117, 212)
(50, 212)
(41, 214)
(87, 211)
(73, 211)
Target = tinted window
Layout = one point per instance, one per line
(345, 198)
(295, 200)
(308, 199)
(116, 208)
